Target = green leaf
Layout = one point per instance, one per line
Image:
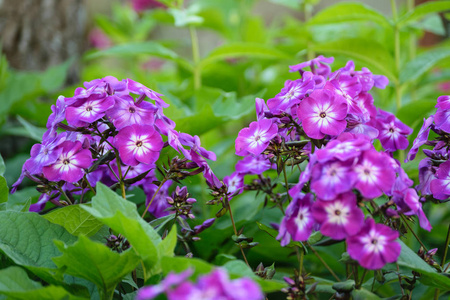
(412, 261)
(422, 63)
(238, 269)
(54, 77)
(122, 217)
(2, 166)
(235, 50)
(14, 282)
(32, 131)
(4, 191)
(269, 230)
(423, 10)
(168, 244)
(227, 106)
(149, 48)
(75, 220)
(364, 294)
(346, 12)
(372, 54)
(294, 4)
(97, 263)
(178, 264)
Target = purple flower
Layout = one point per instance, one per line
(427, 173)
(253, 165)
(440, 187)
(318, 66)
(339, 218)
(291, 94)
(392, 132)
(140, 89)
(126, 112)
(138, 144)
(209, 175)
(234, 183)
(332, 178)
(322, 113)
(143, 5)
(261, 108)
(70, 164)
(171, 280)
(346, 146)
(374, 175)
(45, 154)
(58, 115)
(421, 138)
(159, 204)
(298, 221)
(374, 246)
(255, 139)
(83, 112)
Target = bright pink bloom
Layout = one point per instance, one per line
(138, 144)
(322, 113)
(255, 139)
(374, 246)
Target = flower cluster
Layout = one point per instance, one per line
(112, 132)
(215, 285)
(329, 120)
(434, 169)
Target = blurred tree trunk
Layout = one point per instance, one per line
(36, 34)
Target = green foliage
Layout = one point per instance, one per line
(15, 283)
(122, 217)
(96, 263)
(75, 220)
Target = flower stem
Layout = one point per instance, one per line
(286, 182)
(300, 255)
(447, 241)
(412, 231)
(235, 230)
(323, 262)
(398, 88)
(358, 286)
(196, 58)
(153, 197)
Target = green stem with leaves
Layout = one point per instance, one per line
(405, 221)
(398, 88)
(235, 230)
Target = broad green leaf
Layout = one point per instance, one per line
(2, 166)
(178, 264)
(33, 132)
(18, 204)
(374, 55)
(75, 220)
(121, 215)
(238, 268)
(412, 261)
(422, 63)
(96, 262)
(4, 191)
(14, 282)
(168, 244)
(201, 122)
(27, 238)
(54, 77)
(227, 106)
(235, 50)
(423, 10)
(346, 12)
(364, 294)
(133, 49)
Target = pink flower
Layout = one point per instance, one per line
(374, 246)
(322, 113)
(255, 139)
(70, 164)
(138, 144)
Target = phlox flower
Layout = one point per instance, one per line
(374, 174)
(126, 112)
(255, 138)
(440, 187)
(322, 113)
(45, 154)
(298, 221)
(374, 246)
(234, 182)
(338, 218)
(70, 164)
(332, 178)
(392, 132)
(253, 164)
(86, 111)
(318, 65)
(422, 137)
(138, 144)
